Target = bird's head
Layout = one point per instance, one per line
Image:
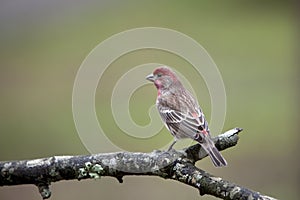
(163, 78)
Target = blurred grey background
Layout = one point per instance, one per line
(253, 44)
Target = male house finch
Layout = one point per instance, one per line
(181, 113)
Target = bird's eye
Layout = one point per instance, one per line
(159, 75)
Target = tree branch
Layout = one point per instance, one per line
(176, 165)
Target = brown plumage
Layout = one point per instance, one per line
(181, 113)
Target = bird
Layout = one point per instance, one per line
(181, 113)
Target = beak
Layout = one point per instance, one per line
(150, 77)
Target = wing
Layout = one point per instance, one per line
(185, 125)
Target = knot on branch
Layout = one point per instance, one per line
(44, 190)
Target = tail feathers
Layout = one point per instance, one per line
(213, 153)
(216, 157)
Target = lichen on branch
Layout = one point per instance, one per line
(176, 165)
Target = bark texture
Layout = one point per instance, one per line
(176, 165)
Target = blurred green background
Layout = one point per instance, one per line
(253, 44)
